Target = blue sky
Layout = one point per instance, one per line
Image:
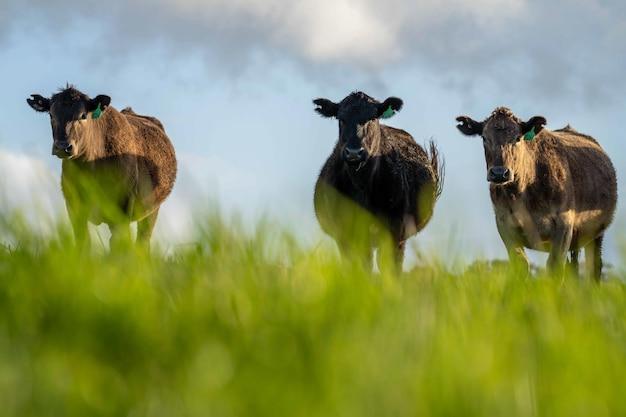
(233, 81)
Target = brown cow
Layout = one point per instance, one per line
(118, 167)
(552, 191)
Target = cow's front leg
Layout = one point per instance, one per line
(80, 224)
(391, 256)
(561, 241)
(517, 258)
(515, 250)
(80, 227)
(78, 213)
(120, 237)
(359, 251)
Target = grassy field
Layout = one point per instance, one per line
(251, 324)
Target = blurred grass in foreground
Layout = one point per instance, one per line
(251, 324)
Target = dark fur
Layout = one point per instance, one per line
(392, 195)
(563, 195)
(122, 168)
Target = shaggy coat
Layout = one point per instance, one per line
(390, 195)
(563, 191)
(120, 168)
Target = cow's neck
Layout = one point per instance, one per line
(89, 137)
(522, 159)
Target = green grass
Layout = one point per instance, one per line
(251, 324)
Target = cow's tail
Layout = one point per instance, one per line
(438, 164)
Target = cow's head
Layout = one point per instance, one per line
(502, 134)
(68, 109)
(357, 114)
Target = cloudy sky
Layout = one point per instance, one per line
(233, 81)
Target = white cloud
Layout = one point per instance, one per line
(358, 32)
(344, 31)
(558, 48)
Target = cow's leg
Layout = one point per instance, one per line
(391, 256)
(560, 245)
(359, 251)
(573, 263)
(80, 227)
(517, 258)
(77, 211)
(593, 258)
(399, 255)
(120, 237)
(145, 227)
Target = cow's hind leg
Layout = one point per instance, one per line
(593, 258)
(573, 260)
(399, 255)
(145, 227)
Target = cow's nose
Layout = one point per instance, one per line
(62, 149)
(354, 155)
(498, 174)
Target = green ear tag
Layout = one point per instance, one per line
(530, 135)
(388, 113)
(97, 112)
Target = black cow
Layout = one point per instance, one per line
(378, 183)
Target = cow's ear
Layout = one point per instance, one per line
(101, 100)
(389, 107)
(469, 126)
(533, 126)
(39, 103)
(326, 107)
(97, 105)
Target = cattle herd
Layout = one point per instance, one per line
(553, 191)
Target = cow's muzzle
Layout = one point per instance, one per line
(354, 156)
(499, 175)
(62, 150)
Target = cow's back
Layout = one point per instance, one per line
(416, 180)
(157, 159)
(406, 156)
(592, 174)
(574, 178)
